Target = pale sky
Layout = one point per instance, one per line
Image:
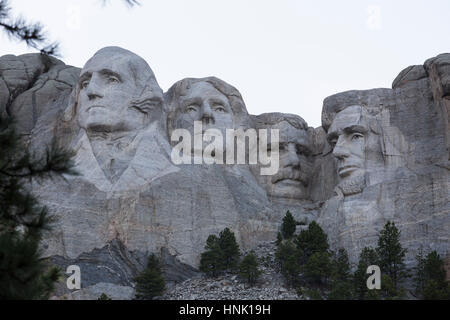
(283, 56)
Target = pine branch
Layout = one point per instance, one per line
(31, 33)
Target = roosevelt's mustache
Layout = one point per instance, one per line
(290, 173)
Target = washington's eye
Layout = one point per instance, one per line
(357, 136)
(113, 79)
(191, 108)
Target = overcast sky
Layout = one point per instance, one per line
(284, 56)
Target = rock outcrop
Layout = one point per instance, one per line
(380, 155)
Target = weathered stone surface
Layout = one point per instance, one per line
(399, 165)
(380, 154)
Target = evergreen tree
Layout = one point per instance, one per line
(24, 274)
(150, 282)
(212, 260)
(341, 266)
(367, 257)
(104, 296)
(310, 241)
(419, 272)
(248, 268)
(318, 267)
(279, 238)
(341, 280)
(436, 287)
(391, 254)
(287, 258)
(230, 249)
(288, 226)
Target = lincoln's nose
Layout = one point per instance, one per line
(340, 151)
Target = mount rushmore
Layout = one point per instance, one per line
(380, 154)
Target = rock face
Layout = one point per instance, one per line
(380, 155)
(391, 156)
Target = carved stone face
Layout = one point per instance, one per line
(202, 102)
(292, 178)
(107, 87)
(349, 136)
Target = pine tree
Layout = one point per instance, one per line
(341, 280)
(230, 249)
(318, 267)
(287, 258)
(419, 272)
(248, 268)
(436, 287)
(24, 274)
(212, 260)
(150, 282)
(104, 296)
(367, 257)
(391, 254)
(310, 241)
(279, 238)
(288, 226)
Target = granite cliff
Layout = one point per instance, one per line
(380, 154)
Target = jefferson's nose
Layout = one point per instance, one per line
(94, 90)
(207, 114)
(340, 151)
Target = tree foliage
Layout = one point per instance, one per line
(391, 254)
(248, 268)
(318, 267)
(221, 253)
(230, 249)
(287, 258)
(310, 241)
(23, 272)
(150, 282)
(367, 257)
(341, 277)
(288, 226)
(211, 260)
(435, 285)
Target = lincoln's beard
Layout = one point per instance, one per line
(353, 185)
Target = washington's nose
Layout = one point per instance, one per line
(340, 151)
(207, 115)
(93, 90)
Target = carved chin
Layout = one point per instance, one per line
(353, 185)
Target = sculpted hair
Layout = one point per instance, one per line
(273, 118)
(147, 92)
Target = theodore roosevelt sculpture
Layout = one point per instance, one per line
(292, 179)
